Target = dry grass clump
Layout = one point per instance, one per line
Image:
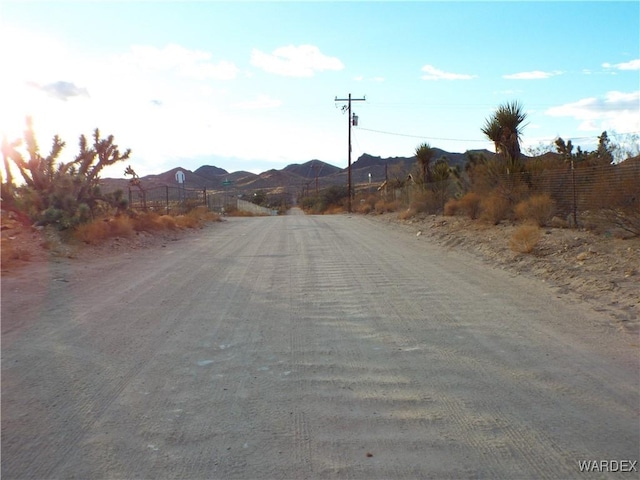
(525, 238)
(187, 221)
(146, 222)
(426, 202)
(334, 209)
(98, 230)
(124, 226)
(469, 204)
(407, 214)
(167, 222)
(93, 232)
(538, 209)
(10, 252)
(452, 207)
(494, 208)
(383, 206)
(234, 212)
(196, 218)
(364, 208)
(121, 226)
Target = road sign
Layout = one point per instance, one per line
(226, 183)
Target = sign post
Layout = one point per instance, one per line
(226, 183)
(180, 178)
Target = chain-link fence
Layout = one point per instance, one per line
(575, 190)
(166, 200)
(175, 200)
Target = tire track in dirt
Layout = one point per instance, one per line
(312, 347)
(489, 432)
(93, 399)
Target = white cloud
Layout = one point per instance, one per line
(433, 73)
(61, 90)
(631, 65)
(261, 102)
(194, 64)
(292, 61)
(618, 111)
(533, 75)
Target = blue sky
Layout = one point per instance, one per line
(251, 85)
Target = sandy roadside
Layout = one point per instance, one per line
(582, 266)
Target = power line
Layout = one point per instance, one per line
(421, 136)
(424, 137)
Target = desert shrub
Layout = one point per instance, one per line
(195, 218)
(121, 226)
(538, 209)
(426, 202)
(407, 214)
(93, 232)
(557, 222)
(470, 205)
(203, 215)
(330, 200)
(394, 205)
(364, 207)
(186, 221)
(525, 238)
(371, 200)
(146, 221)
(6, 251)
(494, 208)
(232, 211)
(103, 228)
(614, 200)
(9, 252)
(452, 207)
(168, 222)
(335, 195)
(383, 206)
(334, 210)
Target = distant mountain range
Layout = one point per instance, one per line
(292, 177)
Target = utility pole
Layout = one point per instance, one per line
(350, 122)
(315, 168)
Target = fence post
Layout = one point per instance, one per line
(575, 200)
(204, 196)
(167, 197)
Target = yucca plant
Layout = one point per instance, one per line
(504, 129)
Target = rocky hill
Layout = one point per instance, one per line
(295, 177)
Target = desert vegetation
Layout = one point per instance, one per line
(65, 196)
(327, 201)
(560, 188)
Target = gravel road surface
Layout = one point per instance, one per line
(307, 347)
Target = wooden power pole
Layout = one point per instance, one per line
(350, 119)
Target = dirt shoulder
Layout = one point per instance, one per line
(600, 270)
(23, 244)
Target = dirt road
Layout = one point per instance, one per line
(307, 347)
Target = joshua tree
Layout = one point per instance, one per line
(424, 155)
(65, 193)
(504, 129)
